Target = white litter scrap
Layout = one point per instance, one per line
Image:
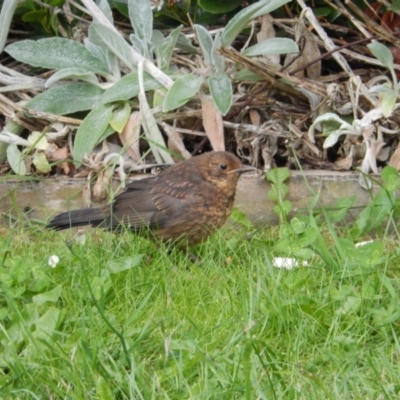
(288, 263)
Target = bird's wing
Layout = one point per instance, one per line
(156, 202)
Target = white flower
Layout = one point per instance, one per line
(53, 261)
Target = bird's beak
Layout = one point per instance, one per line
(244, 169)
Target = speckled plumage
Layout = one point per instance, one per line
(184, 204)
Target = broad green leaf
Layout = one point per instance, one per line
(185, 44)
(16, 160)
(278, 175)
(241, 218)
(6, 16)
(165, 49)
(220, 6)
(141, 18)
(139, 45)
(297, 225)
(242, 18)
(390, 178)
(12, 127)
(91, 129)
(73, 73)
(106, 9)
(67, 99)
(395, 6)
(382, 53)
(120, 116)
(221, 92)
(183, 89)
(218, 60)
(206, 43)
(51, 296)
(124, 263)
(103, 390)
(304, 254)
(127, 88)
(272, 46)
(47, 323)
(55, 53)
(38, 140)
(246, 75)
(39, 160)
(96, 51)
(153, 134)
(107, 38)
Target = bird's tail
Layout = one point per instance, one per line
(69, 219)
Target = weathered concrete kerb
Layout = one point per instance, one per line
(46, 197)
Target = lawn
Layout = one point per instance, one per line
(121, 317)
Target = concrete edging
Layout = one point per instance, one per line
(45, 197)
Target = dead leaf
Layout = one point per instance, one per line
(213, 125)
(346, 163)
(130, 136)
(60, 156)
(395, 159)
(255, 117)
(100, 187)
(309, 51)
(175, 142)
(267, 31)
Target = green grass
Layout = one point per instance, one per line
(122, 318)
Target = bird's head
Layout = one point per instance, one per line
(221, 168)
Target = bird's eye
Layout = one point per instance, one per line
(223, 166)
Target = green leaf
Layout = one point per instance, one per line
(47, 323)
(120, 117)
(153, 134)
(107, 38)
(55, 53)
(206, 43)
(218, 60)
(165, 49)
(141, 18)
(185, 44)
(139, 45)
(304, 254)
(183, 89)
(242, 18)
(388, 103)
(67, 99)
(40, 162)
(390, 178)
(123, 264)
(220, 6)
(395, 6)
(221, 92)
(127, 88)
(73, 73)
(382, 53)
(38, 140)
(103, 390)
(297, 225)
(16, 160)
(272, 46)
(241, 218)
(91, 129)
(51, 296)
(106, 9)
(278, 175)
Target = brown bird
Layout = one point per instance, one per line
(185, 203)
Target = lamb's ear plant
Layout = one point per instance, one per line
(101, 55)
(384, 99)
